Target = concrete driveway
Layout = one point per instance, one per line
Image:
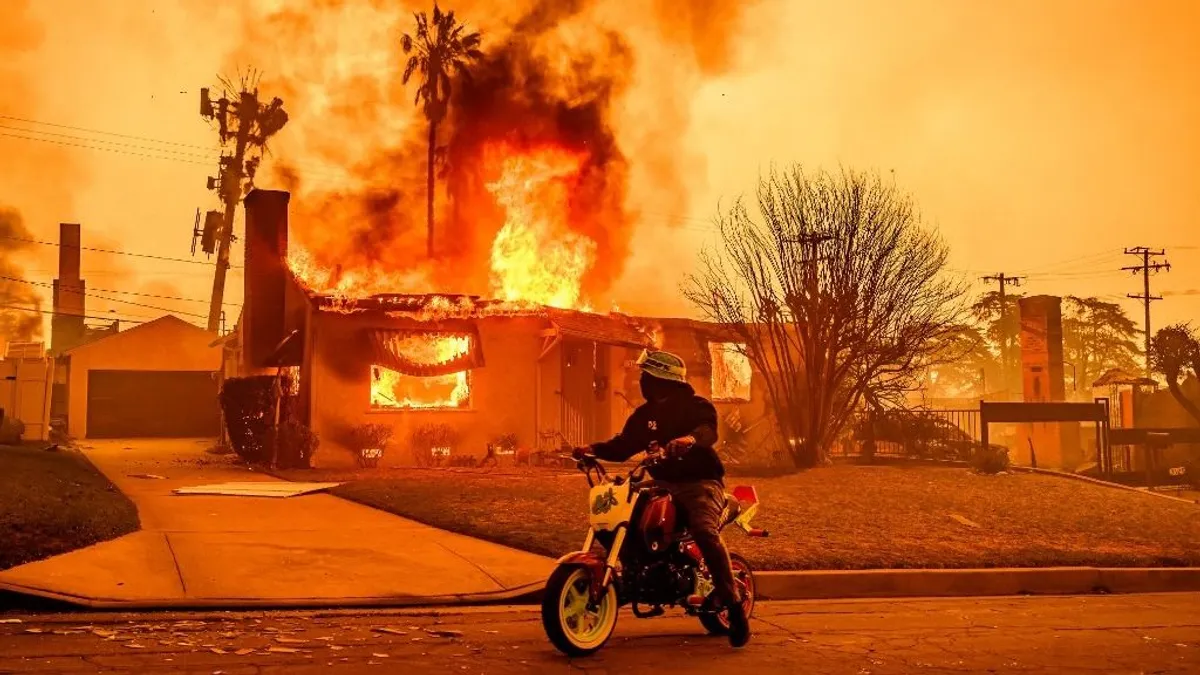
(311, 550)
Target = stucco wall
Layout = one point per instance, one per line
(502, 392)
(163, 344)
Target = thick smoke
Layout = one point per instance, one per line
(556, 72)
(16, 324)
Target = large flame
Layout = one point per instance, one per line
(537, 259)
(536, 256)
(390, 389)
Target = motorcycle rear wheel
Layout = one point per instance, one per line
(574, 627)
(717, 623)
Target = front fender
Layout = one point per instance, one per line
(594, 562)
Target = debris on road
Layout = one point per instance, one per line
(259, 489)
(444, 633)
(389, 630)
(147, 476)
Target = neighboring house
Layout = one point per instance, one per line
(484, 368)
(158, 379)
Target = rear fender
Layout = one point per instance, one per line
(595, 563)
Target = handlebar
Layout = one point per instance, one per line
(589, 464)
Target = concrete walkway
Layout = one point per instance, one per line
(312, 550)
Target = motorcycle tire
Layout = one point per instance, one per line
(565, 590)
(718, 623)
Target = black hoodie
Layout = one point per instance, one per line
(682, 414)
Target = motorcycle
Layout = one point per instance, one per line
(646, 558)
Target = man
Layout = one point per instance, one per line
(686, 425)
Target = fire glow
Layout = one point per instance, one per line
(392, 390)
(731, 372)
(536, 256)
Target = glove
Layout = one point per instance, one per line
(680, 446)
(581, 452)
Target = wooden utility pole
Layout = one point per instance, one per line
(248, 124)
(1005, 342)
(1146, 268)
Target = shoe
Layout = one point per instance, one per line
(739, 626)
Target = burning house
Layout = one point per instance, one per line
(484, 367)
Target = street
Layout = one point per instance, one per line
(1111, 634)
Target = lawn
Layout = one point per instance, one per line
(839, 517)
(54, 502)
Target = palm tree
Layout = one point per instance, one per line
(437, 49)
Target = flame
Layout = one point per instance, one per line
(536, 256)
(537, 260)
(390, 389)
(731, 372)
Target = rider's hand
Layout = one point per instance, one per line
(680, 445)
(580, 453)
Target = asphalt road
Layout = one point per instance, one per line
(1109, 634)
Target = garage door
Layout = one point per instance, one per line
(151, 403)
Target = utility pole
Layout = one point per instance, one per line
(1146, 268)
(1005, 343)
(249, 124)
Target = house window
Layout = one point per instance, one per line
(730, 371)
(394, 390)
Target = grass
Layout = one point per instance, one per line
(839, 517)
(55, 502)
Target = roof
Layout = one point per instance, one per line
(614, 329)
(1117, 376)
(160, 321)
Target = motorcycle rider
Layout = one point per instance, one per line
(675, 417)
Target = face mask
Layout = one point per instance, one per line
(654, 389)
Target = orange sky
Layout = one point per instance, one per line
(1041, 137)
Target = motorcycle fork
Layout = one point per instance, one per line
(613, 563)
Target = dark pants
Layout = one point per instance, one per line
(702, 503)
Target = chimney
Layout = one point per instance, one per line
(66, 324)
(266, 274)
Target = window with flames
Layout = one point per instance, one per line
(394, 390)
(731, 371)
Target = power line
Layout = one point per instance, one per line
(1146, 268)
(98, 131)
(149, 256)
(82, 316)
(105, 290)
(105, 149)
(103, 297)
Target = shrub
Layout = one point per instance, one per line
(249, 407)
(990, 460)
(371, 436)
(297, 444)
(11, 431)
(429, 436)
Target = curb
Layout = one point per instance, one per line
(842, 584)
(808, 585)
(1097, 481)
(30, 596)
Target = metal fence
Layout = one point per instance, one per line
(943, 435)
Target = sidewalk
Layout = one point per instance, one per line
(312, 550)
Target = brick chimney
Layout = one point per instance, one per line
(66, 324)
(266, 274)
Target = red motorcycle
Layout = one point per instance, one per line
(645, 558)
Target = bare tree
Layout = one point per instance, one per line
(1174, 351)
(838, 294)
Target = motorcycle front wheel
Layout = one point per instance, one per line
(718, 623)
(575, 625)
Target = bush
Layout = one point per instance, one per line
(11, 431)
(990, 460)
(371, 436)
(429, 436)
(249, 407)
(297, 444)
